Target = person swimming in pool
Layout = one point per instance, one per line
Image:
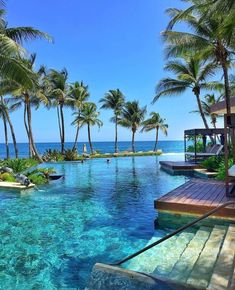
(108, 160)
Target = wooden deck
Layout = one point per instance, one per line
(179, 165)
(196, 196)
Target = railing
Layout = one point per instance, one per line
(181, 229)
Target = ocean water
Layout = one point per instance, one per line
(53, 235)
(102, 147)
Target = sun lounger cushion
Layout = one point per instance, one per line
(231, 171)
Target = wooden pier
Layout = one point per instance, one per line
(196, 197)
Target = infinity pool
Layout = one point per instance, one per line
(51, 237)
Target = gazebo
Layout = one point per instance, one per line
(213, 133)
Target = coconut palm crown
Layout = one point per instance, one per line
(132, 117)
(211, 35)
(88, 117)
(11, 51)
(155, 122)
(191, 73)
(78, 95)
(209, 100)
(114, 100)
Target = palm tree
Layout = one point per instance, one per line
(11, 51)
(211, 36)
(191, 73)
(132, 117)
(28, 98)
(60, 93)
(3, 116)
(210, 99)
(6, 108)
(155, 122)
(78, 94)
(114, 100)
(88, 116)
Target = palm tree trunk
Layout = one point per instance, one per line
(58, 117)
(35, 152)
(133, 141)
(227, 101)
(116, 135)
(156, 140)
(226, 86)
(62, 128)
(76, 139)
(197, 94)
(89, 138)
(201, 110)
(12, 133)
(6, 136)
(27, 130)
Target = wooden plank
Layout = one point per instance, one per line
(197, 197)
(194, 209)
(218, 194)
(211, 195)
(179, 165)
(197, 194)
(177, 191)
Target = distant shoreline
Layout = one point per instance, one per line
(86, 142)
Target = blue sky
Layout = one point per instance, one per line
(108, 45)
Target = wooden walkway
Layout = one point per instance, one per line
(196, 196)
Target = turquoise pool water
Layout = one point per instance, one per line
(51, 238)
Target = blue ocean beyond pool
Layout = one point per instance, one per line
(102, 147)
(51, 237)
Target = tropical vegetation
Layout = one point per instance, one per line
(199, 58)
(114, 100)
(155, 122)
(132, 117)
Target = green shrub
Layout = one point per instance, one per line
(200, 147)
(19, 165)
(46, 171)
(52, 155)
(37, 178)
(221, 170)
(7, 177)
(70, 155)
(212, 163)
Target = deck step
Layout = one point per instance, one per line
(225, 263)
(159, 260)
(186, 262)
(203, 268)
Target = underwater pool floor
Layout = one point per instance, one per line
(51, 237)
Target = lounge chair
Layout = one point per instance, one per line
(215, 150)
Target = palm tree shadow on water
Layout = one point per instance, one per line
(126, 186)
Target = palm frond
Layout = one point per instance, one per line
(21, 34)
